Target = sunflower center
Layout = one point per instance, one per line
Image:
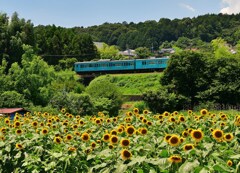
(197, 135)
(218, 134)
(174, 140)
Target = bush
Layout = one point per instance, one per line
(105, 95)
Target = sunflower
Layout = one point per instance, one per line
(167, 137)
(88, 151)
(136, 110)
(166, 114)
(58, 139)
(204, 112)
(77, 133)
(188, 147)
(145, 111)
(85, 137)
(125, 154)
(2, 138)
(63, 110)
(222, 124)
(149, 123)
(68, 137)
(130, 130)
(115, 119)
(19, 146)
(160, 117)
(44, 131)
(172, 119)
(228, 137)
(175, 159)
(218, 134)
(81, 122)
(7, 120)
(129, 113)
(65, 123)
(143, 131)
(229, 163)
(113, 132)
(125, 142)
(35, 124)
(106, 137)
(93, 144)
(75, 126)
(181, 118)
(174, 140)
(108, 120)
(19, 131)
(17, 124)
(197, 135)
(185, 133)
(190, 112)
(98, 121)
(119, 129)
(110, 146)
(72, 149)
(113, 139)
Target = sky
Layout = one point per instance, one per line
(85, 13)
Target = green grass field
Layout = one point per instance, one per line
(136, 83)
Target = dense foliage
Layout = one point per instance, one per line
(154, 33)
(196, 78)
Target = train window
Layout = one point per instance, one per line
(151, 62)
(144, 62)
(160, 62)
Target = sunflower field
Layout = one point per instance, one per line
(134, 142)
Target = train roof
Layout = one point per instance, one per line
(109, 60)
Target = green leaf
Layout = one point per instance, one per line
(18, 155)
(164, 153)
(237, 156)
(221, 168)
(189, 166)
(120, 168)
(8, 148)
(140, 170)
(57, 155)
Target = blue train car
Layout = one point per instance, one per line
(104, 66)
(121, 66)
(151, 64)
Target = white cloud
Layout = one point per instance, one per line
(231, 6)
(190, 8)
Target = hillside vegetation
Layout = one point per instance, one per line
(134, 84)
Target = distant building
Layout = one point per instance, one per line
(167, 50)
(11, 112)
(128, 52)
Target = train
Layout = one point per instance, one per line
(105, 66)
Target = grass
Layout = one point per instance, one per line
(136, 83)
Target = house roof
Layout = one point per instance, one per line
(10, 110)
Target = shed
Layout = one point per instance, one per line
(10, 112)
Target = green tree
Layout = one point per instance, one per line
(108, 52)
(143, 52)
(10, 99)
(220, 48)
(186, 74)
(102, 90)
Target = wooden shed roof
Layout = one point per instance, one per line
(10, 110)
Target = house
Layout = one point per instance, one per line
(128, 52)
(10, 112)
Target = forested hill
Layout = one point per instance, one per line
(54, 43)
(154, 33)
